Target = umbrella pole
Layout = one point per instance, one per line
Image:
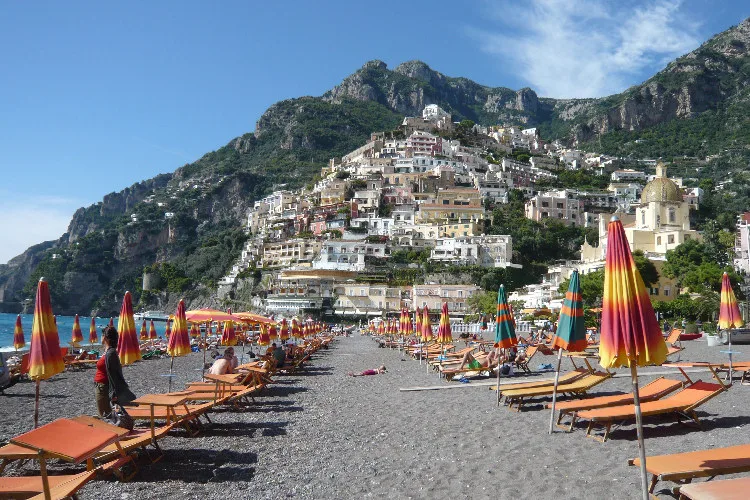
(554, 390)
(497, 387)
(171, 365)
(729, 335)
(36, 406)
(203, 366)
(639, 425)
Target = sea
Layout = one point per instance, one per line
(64, 328)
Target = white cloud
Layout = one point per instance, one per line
(22, 227)
(586, 48)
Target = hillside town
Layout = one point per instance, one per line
(418, 190)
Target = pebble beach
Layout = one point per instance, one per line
(319, 433)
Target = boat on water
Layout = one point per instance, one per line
(151, 315)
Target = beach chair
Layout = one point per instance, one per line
(564, 379)
(60, 487)
(451, 372)
(528, 354)
(518, 397)
(682, 468)
(655, 389)
(682, 404)
(674, 345)
(727, 489)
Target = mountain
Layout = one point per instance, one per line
(186, 226)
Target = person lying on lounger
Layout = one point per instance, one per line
(470, 362)
(376, 371)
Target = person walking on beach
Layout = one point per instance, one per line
(110, 385)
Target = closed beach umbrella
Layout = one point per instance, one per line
(127, 344)
(402, 323)
(372, 327)
(179, 341)
(143, 335)
(570, 333)
(76, 336)
(505, 330)
(93, 338)
(485, 324)
(296, 331)
(228, 337)
(426, 325)
(729, 315)
(630, 334)
(381, 327)
(167, 329)
(445, 336)
(418, 321)
(272, 332)
(152, 330)
(111, 321)
(264, 338)
(18, 341)
(284, 332)
(194, 331)
(45, 357)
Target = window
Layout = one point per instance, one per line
(559, 205)
(545, 204)
(460, 293)
(658, 240)
(446, 202)
(643, 217)
(670, 239)
(655, 291)
(671, 216)
(666, 292)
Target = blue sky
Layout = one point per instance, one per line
(95, 97)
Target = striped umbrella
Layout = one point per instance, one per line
(167, 329)
(371, 328)
(228, 337)
(208, 316)
(264, 338)
(45, 357)
(505, 328)
(194, 331)
(418, 321)
(272, 332)
(179, 341)
(152, 331)
(18, 341)
(444, 334)
(570, 333)
(76, 336)
(284, 331)
(143, 335)
(426, 325)
(485, 323)
(381, 327)
(111, 322)
(729, 316)
(296, 330)
(128, 347)
(630, 334)
(93, 338)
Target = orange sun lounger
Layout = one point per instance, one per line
(655, 389)
(564, 379)
(518, 397)
(683, 403)
(60, 487)
(684, 467)
(727, 489)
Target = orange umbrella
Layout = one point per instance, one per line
(128, 347)
(630, 334)
(18, 341)
(144, 331)
(284, 332)
(152, 331)
(208, 316)
(45, 357)
(179, 342)
(729, 316)
(76, 336)
(248, 317)
(93, 339)
(228, 337)
(264, 337)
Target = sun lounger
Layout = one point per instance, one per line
(684, 467)
(564, 379)
(518, 397)
(727, 489)
(681, 404)
(653, 390)
(61, 487)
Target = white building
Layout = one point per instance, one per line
(342, 255)
(742, 244)
(561, 205)
(487, 250)
(627, 175)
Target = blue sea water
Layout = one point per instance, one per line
(64, 328)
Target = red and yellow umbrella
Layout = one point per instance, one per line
(445, 335)
(76, 336)
(381, 327)
(630, 332)
(208, 316)
(93, 337)
(296, 333)
(152, 331)
(128, 347)
(228, 336)
(45, 357)
(426, 325)
(179, 341)
(143, 335)
(418, 321)
(194, 331)
(264, 338)
(729, 316)
(272, 332)
(167, 329)
(252, 318)
(18, 341)
(284, 332)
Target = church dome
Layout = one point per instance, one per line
(661, 188)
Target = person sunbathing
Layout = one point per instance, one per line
(470, 362)
(224, 364)
(376, 371)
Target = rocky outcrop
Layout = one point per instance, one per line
(15, 274)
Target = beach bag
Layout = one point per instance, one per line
(120, 418)
(505, 369)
